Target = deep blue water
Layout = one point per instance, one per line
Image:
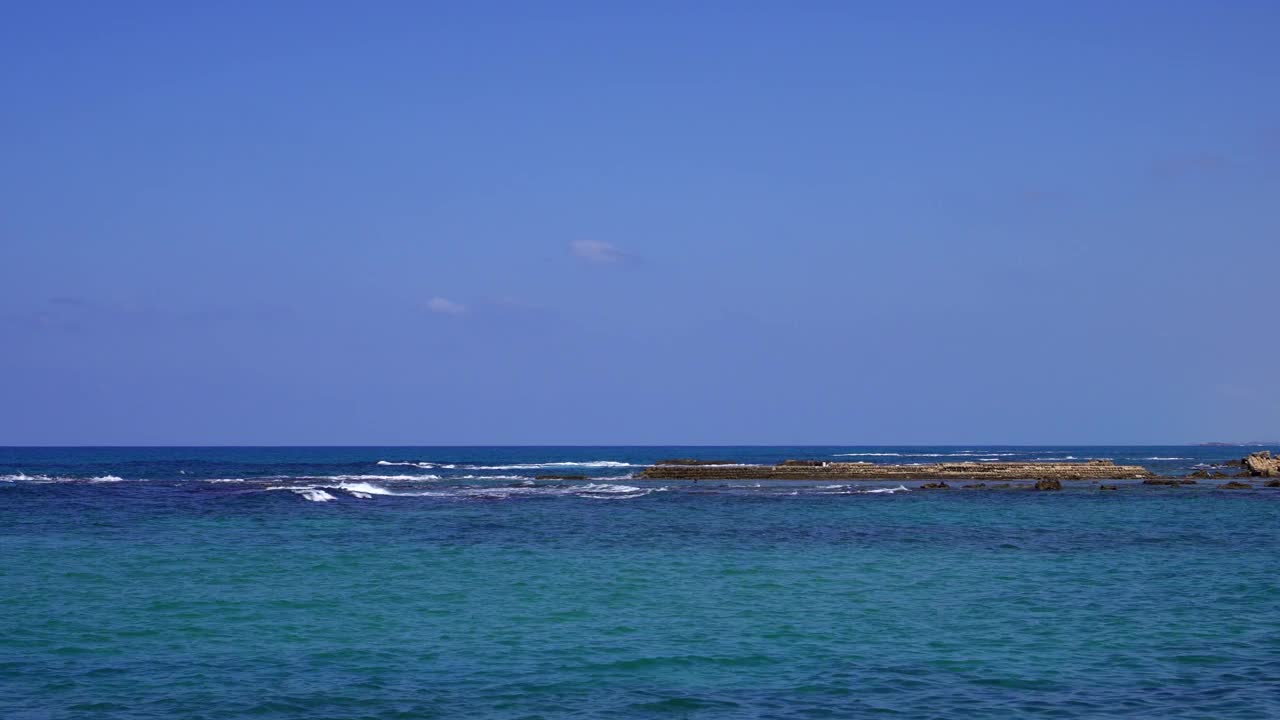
(449, 582)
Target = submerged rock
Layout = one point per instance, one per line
(935, 486)
(1108, 487)
(1169, 481)
(1233, 485)
(974, 486)
(1049, 485)
(1272, 483)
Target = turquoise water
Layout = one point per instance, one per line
(159, 597)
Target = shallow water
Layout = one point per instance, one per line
(163, 594)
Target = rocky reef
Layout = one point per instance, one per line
(1262, 464)
(823, 470)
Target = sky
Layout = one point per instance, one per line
(639, 223)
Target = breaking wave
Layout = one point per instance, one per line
(963, 453)
(370, 477)
(854, 490)
(423, 465)
(566, 463)
(312, 494)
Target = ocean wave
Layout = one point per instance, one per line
(106, 478)
(566, 463)
(854, 490)
(963, 453)
(1167, 458)
(423, 465)
(369, 477)
(590, 490)
(308, 493)
(606, 488)
(23, 477)
(365, 489)
(509, 466)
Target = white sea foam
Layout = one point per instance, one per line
(107, 478)
(365, 491)
(854, 490)
(566, 463)
(606, 488)
(23, 477)
(423, 465)
(1166, 458)
(963, 453)
(371, 477)
(511, 466)
(364, 488)
(590, 490)
(313, 494)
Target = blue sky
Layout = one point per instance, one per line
(486, 223)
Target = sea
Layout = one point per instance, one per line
(466, 582)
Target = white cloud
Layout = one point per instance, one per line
(445, 306)
(597, 251)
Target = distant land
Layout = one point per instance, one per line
(1253, 443)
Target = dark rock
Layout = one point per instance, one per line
(803, 463)
(1200, 474)
(1049, 485)
(1272, 483)
(1169, 481)
(974, 486)
(1233, 485)
(1108, 487)
(935, 486)
(692, 461)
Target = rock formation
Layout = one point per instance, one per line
(1262, 464)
